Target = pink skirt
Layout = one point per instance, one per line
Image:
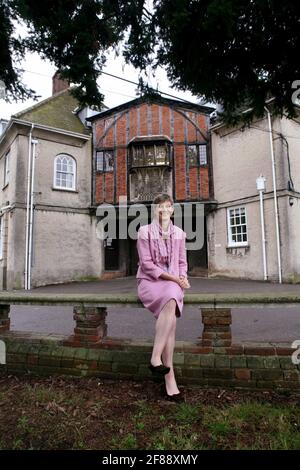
(155, 294)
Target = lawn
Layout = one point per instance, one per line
(93, 413)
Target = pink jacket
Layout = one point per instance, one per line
(148, 266)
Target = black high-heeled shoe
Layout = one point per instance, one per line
(159, 370)
(176, 397)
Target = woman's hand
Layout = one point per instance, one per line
(183, 282)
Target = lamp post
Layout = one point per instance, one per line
(261, 186)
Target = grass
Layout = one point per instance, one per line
(70, 413)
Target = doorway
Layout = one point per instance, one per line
(111, 254)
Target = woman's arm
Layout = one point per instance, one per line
(182, 282)
(145, 257)
(183, 265)
(168, 276)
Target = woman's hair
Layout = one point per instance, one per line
(162, 198)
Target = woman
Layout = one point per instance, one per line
(162, 278)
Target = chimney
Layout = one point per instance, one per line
(58, 83)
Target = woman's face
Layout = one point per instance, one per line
(164, 211)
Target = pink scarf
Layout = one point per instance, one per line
(164, 246)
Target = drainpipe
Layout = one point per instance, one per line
(260, 185)
(34, 143)
(275, 196)
(27, 206)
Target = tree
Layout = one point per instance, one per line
(74, 35)
(238, 53)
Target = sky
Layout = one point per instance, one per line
(38, 75)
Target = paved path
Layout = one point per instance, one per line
(261, 324)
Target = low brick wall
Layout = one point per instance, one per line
(247, 365)
(214, 360)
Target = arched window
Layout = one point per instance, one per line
(64, 172)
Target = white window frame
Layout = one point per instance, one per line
(6, 168)
(198, 152)
(64, 188)
(231, 242)
(104, 168)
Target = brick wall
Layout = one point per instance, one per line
(213, 360)
(250, 366)
(181, 126)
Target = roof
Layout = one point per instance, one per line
(219, 123)
(186, 105)
(56, 111)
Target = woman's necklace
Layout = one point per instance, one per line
(163, 241)
(166, 236)
(169, 257)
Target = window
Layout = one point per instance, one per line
(105, 160)
(64, 172)
(160, 154)
(192, 155)
(6, 168)
(203, 154)
(197, 154)
(237, 226)
(150, 155)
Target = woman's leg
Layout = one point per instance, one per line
(167, 357)
(163, 327)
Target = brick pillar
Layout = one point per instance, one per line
(4, 317)
(90, 326)
(217, 327)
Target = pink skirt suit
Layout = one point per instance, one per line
(155, 292)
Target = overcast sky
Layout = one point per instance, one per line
(38, 76)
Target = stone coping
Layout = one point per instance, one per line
(220, 300)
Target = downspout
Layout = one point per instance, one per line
(275, 196)
(34, 143)
(263, 236)
(27, 206)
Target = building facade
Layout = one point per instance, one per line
(145, 147)
(253, 235)
(48, 233)
(59, 163)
